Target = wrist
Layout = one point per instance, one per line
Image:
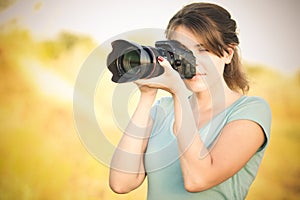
(146, 100)
(180, 92)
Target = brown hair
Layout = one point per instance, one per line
(218, 33)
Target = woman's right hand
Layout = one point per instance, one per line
(147, 90)
(169, 80)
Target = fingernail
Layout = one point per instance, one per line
(160, 58)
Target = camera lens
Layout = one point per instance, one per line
(130, 60)
(136, 62)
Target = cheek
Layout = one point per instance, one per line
(211, 64)
(219, 65)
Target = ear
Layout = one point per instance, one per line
(228, 55)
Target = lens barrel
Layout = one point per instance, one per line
(129, 61)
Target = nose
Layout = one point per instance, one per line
(198, 67)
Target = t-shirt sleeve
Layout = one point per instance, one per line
(255, 109)
(161, 107)
(160, 110)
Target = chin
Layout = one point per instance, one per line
(196, 87)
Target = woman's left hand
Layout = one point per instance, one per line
(169, 81)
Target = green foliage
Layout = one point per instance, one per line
(280, 169)
(297, 77)
(14, 44)
(41, 154)
(6, 3)
(65, 42)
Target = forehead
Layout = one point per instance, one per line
(186, 36)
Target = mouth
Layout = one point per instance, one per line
(198, 75)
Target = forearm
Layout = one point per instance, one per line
(127, 165)
(195, 160)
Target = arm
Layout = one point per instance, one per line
(127, 166)
(203, 169)
(238, 142)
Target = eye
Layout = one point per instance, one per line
(201, 48)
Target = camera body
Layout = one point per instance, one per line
(129, 61)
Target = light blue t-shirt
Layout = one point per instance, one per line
(162, 163)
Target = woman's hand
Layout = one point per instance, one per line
(169, 81)
(145, 89)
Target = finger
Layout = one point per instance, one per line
(164, 62)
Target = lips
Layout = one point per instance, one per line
(198, 75)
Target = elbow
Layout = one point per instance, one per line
(196, 185)
(118, 188)
(123, 184)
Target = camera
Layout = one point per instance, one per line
(129, 61)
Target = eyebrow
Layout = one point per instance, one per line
(196, 45)
(199, 45)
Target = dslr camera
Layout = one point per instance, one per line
(129, 61)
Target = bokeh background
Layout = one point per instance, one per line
(43, 45)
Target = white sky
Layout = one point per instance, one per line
(269, 29)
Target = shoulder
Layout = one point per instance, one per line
(253, 100)
(255, 109)
(251, 106)
(162, 107)
(257, 101)
(164, 101)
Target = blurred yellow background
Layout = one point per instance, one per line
(42, 156)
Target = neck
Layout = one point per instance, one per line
(215, 98)
(208, 103)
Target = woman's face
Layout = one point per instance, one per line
(209, 67)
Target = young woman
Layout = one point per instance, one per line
(203, 144)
